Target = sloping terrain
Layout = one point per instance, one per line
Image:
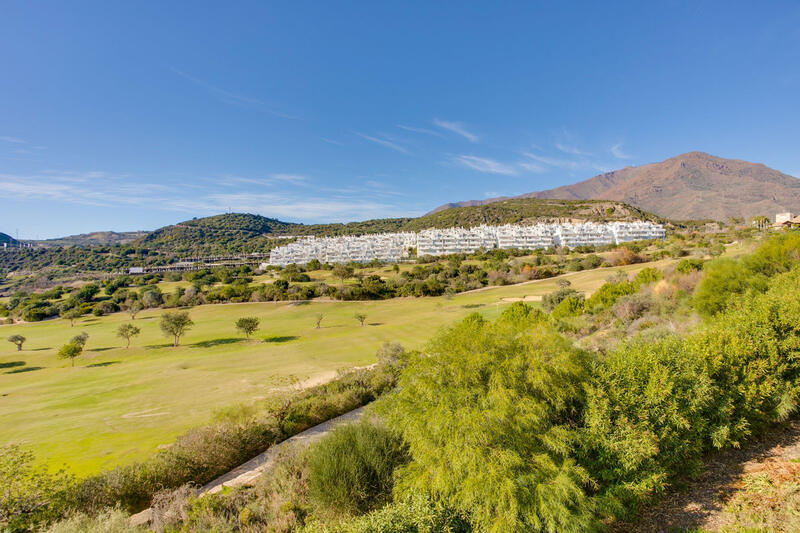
(7, 239)
(95, 238)
(691, 186)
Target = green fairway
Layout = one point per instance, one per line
(119, 405)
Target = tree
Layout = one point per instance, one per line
(81, 339)
(343, 272)
(71, 315)
(319, 318)
(361, 317)
(133, 308)
(127, 332)
(175, 325)
(19, 340)
(563, 283)
(70, 351)
(248, 325)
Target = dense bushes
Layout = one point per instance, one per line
(350, 470)
(489, 414)
(726, 278)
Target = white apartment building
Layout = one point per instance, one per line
(394, 247)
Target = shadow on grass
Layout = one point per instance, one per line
(304, 302)
(216, 342)
(375, 323)
(100, 365)
(12, 364)
(102, 349)
(472, 306)
(156, 346)
(281, 338)
(38, 349)
(25, 369)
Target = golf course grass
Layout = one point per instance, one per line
(118, 405)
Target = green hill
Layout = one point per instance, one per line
(7, 239)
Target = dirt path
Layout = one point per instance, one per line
(701, 504)
(249, 471)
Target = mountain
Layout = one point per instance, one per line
(96, 238)
(690, 186)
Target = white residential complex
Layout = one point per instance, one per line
(394, 247)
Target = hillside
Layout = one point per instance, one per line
(529, 210)
(7, 239)
(96, 238)
(247, 233)
(690, 186)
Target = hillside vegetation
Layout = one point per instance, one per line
(241, 233)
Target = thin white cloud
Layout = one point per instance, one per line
(420, 130)
(280, 195)
(552, 161)
(383, 142)
(232, 98)
(457, 128)
(570, 149)
(618, 152)
(331, 141)
(484, 164)
(533, 167)
(13, 140)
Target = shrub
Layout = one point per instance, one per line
(487, 413)
(644, 421)
(351, 469)
(608, 294)
(30, 496)
(551, 300)
(569, 306)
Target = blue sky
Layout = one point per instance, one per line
(133, 115)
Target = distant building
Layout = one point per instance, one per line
(394, 247)
(780, 218)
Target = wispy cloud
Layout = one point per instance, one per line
(457, 128)
(420, 130)
(618, 152)
(331, 141)
(484, 164)
(551, 161)
(13, 140)
(283, 195)
(383, 142)
(232, 98)
(570, 149)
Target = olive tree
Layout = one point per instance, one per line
(361, 317)
(248, 325)
(70, 351)
(19, 340)
(127, 332)
(175, 324)
(72, 315)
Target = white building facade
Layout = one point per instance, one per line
(394, 247)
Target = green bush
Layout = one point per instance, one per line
(30, 496)
(644, 421)
(488, 414)
(416, 514)
(569, 306)
(608, 294)
(351, 469)
(723, 279)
